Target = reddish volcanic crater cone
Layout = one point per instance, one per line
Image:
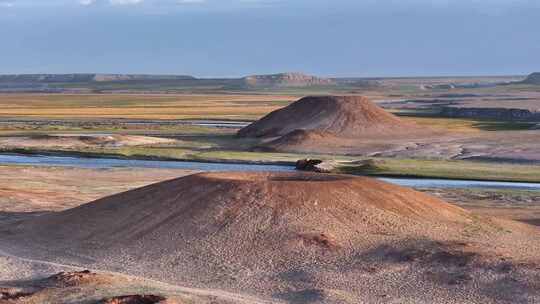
(260, 232)
(341, 116)
(254, 209)
(240, 219)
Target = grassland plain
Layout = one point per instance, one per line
(109, 113)
(394, 167)
(451, 169)
(28, 191)
(103, 106)
(93, 110)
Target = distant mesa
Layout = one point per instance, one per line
(92, 82)
(129, 77)
(86, 78)
(320, 116)
(285, 80)
(533, 78)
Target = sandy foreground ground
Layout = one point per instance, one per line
(81, 141)
(38, 189)
(32, 191)
(38, 282)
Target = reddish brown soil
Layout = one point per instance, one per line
(334, 124)
(300, 137)
(39, 290)
(69, 279)
(136, 299)
(203, 204)
(9, 295)
(285, 235)
(25, 190)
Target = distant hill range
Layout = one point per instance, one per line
(138, 82)
(534, 78)
(286, 80)
(92, 82)
(84, 78)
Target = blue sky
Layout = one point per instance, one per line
(218, 38)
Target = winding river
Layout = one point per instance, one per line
(102, 163)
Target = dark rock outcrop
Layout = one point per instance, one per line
(135, 299)
(534, 78)
(491, 113)
(315, 165)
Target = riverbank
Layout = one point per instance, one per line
(121, 162)
(29, 191)
(444, 169)
(380, 167)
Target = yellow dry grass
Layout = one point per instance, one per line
(140, 106)
(446, 124)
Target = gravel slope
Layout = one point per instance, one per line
(294, 237)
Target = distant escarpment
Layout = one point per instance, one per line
(91, 82)
(534, 78)
(507, 114)
(285, 80)
(85, 78)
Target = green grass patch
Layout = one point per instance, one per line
(432, 120)
(503, 125)
(448, 169)
(210, 150)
